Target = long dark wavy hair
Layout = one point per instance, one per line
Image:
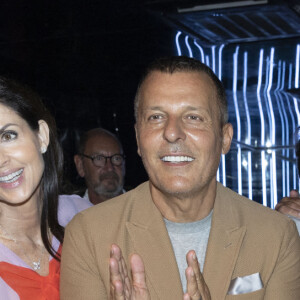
(29, 106)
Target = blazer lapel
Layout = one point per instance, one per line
(224, 244)
(151, 241)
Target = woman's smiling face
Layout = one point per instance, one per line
(21, 160)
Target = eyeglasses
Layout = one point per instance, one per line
(100, 160)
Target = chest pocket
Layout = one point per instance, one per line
(257, 295)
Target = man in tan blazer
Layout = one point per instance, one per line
(134, 246)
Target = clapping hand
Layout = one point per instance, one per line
(196, 286)
(121, 285)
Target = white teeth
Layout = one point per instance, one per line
(177, 158)
(11, 177)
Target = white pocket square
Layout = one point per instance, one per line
(245, 284)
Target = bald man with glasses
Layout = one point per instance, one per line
(101, 162)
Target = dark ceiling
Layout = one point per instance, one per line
(85, 56)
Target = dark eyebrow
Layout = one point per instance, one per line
(189, 107)
(5, 126)
(193, 108)
(155, 108)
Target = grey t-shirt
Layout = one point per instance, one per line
(189, 236)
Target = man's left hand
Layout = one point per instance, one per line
(196, 286)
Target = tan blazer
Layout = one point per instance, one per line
(245, 238)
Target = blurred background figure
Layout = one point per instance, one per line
(290, 206)
(101, 162)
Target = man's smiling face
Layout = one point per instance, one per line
(179, 132)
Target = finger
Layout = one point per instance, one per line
(139, 277)
(119, 281)
(126, 280)
(115, 263)
(289, 206)
(192, 285)
(196, 285)
(138, 271)
(186, 297)
(116, 254)
(294, 194)
(117, 291)
(293, 202)
(192, 261)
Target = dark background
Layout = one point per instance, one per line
(85, 58)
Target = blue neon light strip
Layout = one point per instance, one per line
(177, 43)
(200, 50)
(280, 110)
(248, 138)
(188, 46)
(220, 61)
(272, 134)
(297, 61)
(238, 119)
(297, 66)
(262, 121)
(223, 162)
(207, 60)
(294, 186)
(213, 58)
(286, 132)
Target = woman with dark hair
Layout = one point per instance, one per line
(30, 172)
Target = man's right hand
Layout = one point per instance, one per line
(290, 205)
(121, 285)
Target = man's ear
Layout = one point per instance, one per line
(43, 135)
(227, 137)
(137, 139)
(79, 165)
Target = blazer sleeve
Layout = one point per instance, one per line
(80, 279)
(285, 280)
